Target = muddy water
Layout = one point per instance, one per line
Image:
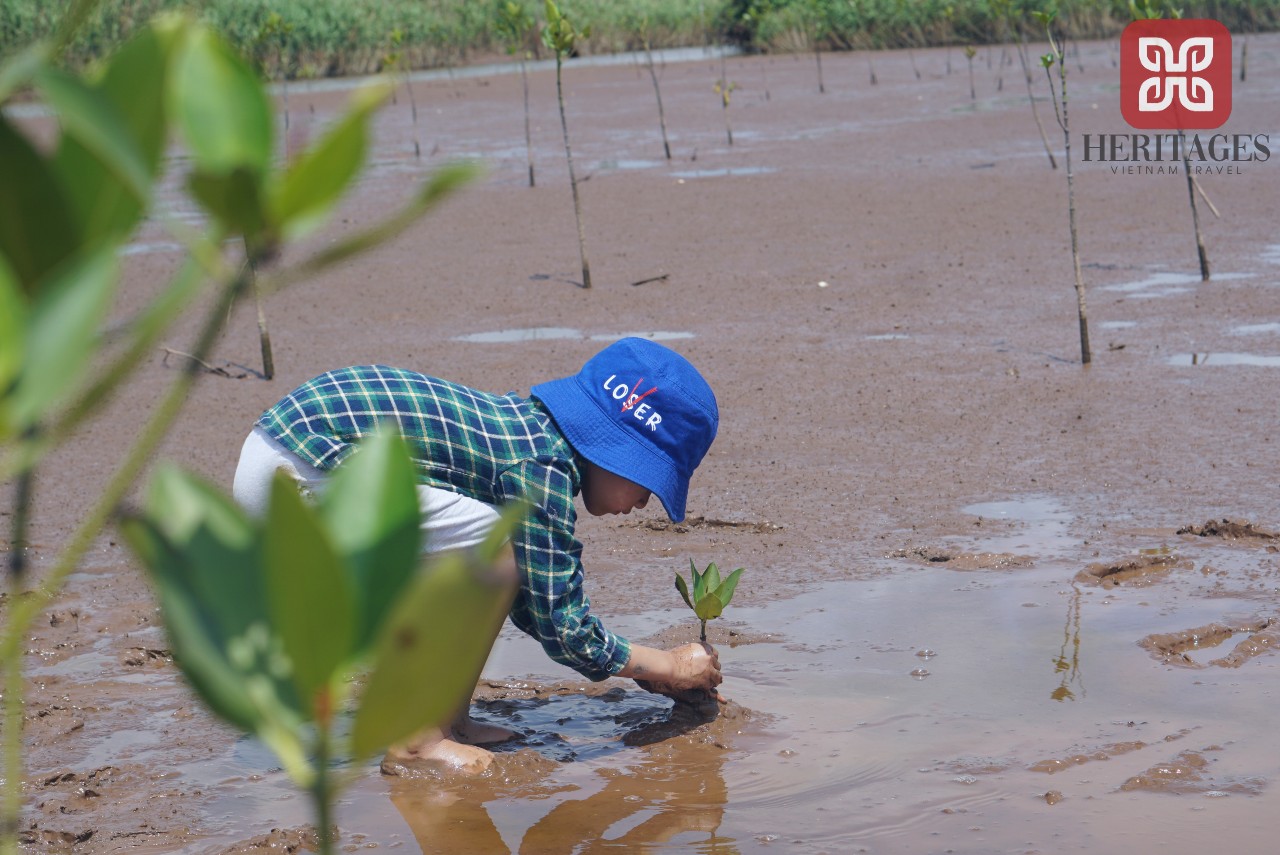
(969, 622)
(930, 710)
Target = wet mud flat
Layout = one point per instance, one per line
(987, 590)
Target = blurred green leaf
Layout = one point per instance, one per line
(13, 339)
(18, 68)
(221, 107)
(431, 650)
(235, 200)
(89, 118)
(62, 333)
(204, 558)
(371, 510)
(307, 589)
(317, 178)
(37, 227)
(133, 83)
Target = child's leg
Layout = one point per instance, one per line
(454, 745)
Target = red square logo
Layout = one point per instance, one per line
(1175, 75)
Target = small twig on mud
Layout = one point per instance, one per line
(212, 369)
(662, 278)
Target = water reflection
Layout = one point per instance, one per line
(1067, 664)
(672, 792)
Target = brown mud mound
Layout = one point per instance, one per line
(719, 634)
(700, 523)
(1106, 752)
(1188, 773)
(1172, 647)
(286, 841)
(1132, 572)
(1225, 529)
(964, 561)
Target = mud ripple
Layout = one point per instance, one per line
(1132, 572)
(1172, 647)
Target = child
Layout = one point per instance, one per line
(634, 422)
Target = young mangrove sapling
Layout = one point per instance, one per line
(561, 36)
(516, 23)
(1057, 57)
(710, 595)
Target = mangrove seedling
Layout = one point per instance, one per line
(723, 88)
(562, 37)
(516, 23)
(1026, 74)
(1057, 58)
(969, 52)
(710, 595)
(642, 30)
(397, 60)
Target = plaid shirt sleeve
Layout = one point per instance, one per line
(552, 605)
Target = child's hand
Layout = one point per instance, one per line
(695, 666)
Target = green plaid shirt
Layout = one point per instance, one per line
(492, 448)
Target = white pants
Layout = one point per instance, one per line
(449, 520)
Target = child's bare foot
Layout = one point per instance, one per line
(435, 753)
(466, 729)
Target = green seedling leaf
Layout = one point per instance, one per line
(308, 592)
(63, 329)
(726, 588)
(431, 649)
(37, 227)
(710, 606)
(317, 178)
(683, 588)
(710, 578)
(371, 510)
(221, 107)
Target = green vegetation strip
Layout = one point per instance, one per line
(323, 38)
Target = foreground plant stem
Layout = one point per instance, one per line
(23, 610)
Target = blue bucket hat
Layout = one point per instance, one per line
(639, 410)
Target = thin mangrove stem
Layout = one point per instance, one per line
(573, 180)
(657, 91)
(1195, 212)
(528, 138)
(1035, 111)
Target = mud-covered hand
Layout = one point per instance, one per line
(695, 666)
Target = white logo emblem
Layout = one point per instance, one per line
(1175, 76)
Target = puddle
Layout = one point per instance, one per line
(1225, 359)
(1168, 284)
(918, 712)
(1271, 254)
(888, 337)
(1118, 325)
(540, 333)
(1257, 329)
(627, 164)
(721, 173)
